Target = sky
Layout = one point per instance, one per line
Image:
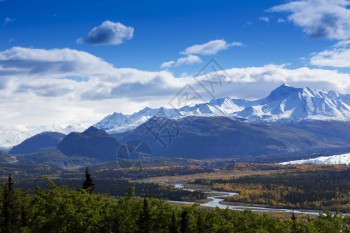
(64, 62)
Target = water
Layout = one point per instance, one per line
(215, 201)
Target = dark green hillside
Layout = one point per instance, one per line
(208, 137)
(92, 143)
(37, 143)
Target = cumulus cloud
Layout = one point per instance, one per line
(34, 70)
(319, 18)
(188, 60)
(49, 80)
(28, 61)
(211, 47)
(108, 33)
(167, 64)
(337, 56)
(264, 18)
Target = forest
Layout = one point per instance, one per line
(308, 188)
(58, 209)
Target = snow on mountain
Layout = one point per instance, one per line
(334, 159)
(291, 103)
(118, 122)
(12, 137)
(283, 103)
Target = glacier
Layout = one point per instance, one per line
(333, 159)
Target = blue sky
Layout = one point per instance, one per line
(162, 29)
(92, 58)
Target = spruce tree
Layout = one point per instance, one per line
(131, 191)
(145, 218)
(184, 221)
(9, 219)
(116, 225)
(173, 227)
(200, 223)
(294, 225)
(24, 217)
(88, 183)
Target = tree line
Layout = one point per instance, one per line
(303, 189)
(59, 209)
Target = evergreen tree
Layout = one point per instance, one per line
(145, 218)
(116, 225)
(173, 227)
(24, 217)
(9, 214)
(200, 223)
(131, 191)
(88, 183)
(184, 221)
(294, 225)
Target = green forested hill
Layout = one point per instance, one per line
(59, 209)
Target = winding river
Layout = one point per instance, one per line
(216, 197)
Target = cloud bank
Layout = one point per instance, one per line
(39, 86)
(337, 56)
(319, 18)
(108, 33)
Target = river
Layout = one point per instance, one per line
(216, 197)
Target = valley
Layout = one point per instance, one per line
(204, 159)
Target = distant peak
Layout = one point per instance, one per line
(92, 130)
(283, 90)
(218, 101)
(117, 114)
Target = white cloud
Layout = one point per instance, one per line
(33, 62)
(264, 18)
(319, 18)
(280, 20)
(188, 60)
(37, 88)
(43, 78)
(7, 20)
(167, 64)
(338, 56)
(211, 47)
(108, 33)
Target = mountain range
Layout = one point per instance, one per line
(290, 123)
(12, 137)
(285, 103)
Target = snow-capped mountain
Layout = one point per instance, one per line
(283, 103)
(334, 159)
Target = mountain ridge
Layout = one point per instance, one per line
(285, 103)
(39, 142)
